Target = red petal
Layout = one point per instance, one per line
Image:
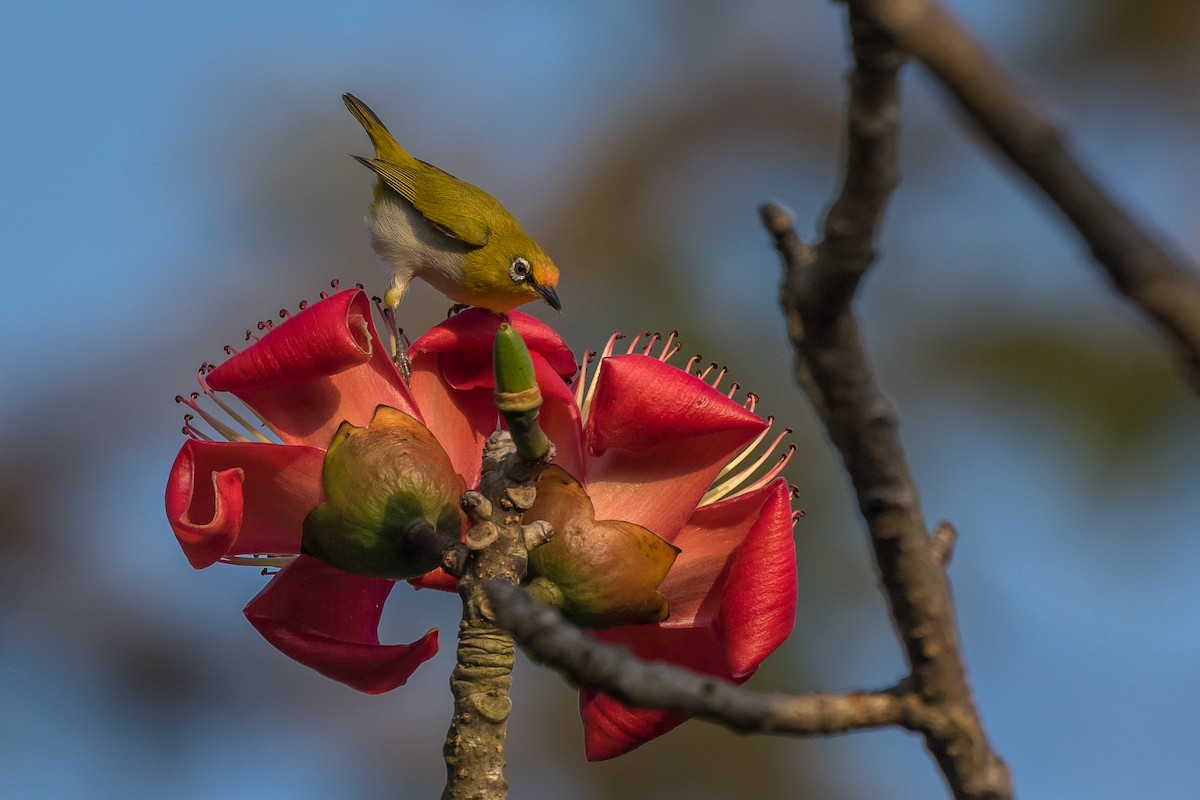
(460, 420)
(748, 610)
(316, 369)
(453, 381)
(657, 438)
(758, 609)
(711, 541)
(329, 620)
(233, 498)
(470, 335)
(611, 728)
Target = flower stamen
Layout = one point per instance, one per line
(737, 484)
(670, 347)
(612, 342)
(748, 449)
(582, 379)
(773, 472)
(200, 375)
(191, 430)
(586, 405)
(654, 337)
(224, 430)
(220, 427)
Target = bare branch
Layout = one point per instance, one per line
(551, 640)
(832, 366)
(1160, 282)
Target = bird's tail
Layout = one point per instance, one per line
(386, 146)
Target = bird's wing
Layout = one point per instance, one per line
(455, 207)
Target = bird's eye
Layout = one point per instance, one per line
(519, 270)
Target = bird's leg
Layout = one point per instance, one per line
(397, 341)
(457, 307)
(401, 358)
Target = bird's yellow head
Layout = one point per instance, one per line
(511, 271)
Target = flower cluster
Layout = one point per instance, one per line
(651, 444)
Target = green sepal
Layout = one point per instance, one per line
(606, 571)
(391, 504)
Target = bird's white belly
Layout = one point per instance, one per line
(413, 246)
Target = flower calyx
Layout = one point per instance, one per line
(392, 500)
(600, 573)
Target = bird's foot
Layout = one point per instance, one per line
(404, 364)
(400, 351)
(398, 342)
(456, 308)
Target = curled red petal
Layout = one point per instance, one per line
(758, 608)
(712, 540)
(328, 620)
(469, 336)
(233, 498)
(453, 381)
(747, 610)
(656, 438)
(543, 340)
(317, 368)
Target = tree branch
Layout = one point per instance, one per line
(832, 366)
(551, 640)
(1161, 283)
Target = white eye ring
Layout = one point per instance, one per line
(519, 270)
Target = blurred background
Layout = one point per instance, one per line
(171, 175)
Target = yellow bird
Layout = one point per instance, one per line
(458, 238)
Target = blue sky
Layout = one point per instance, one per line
(151, 204)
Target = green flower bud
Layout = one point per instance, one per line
(606, 571)
(391, 504)
(512, 362)
(517, 394)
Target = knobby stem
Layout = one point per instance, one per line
(474, 748)
(496, 547)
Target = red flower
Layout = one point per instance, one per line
(244, 500)
(658, 446)
(652, 444)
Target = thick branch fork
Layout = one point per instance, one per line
(832, 366)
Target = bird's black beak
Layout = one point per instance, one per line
(549, 295)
